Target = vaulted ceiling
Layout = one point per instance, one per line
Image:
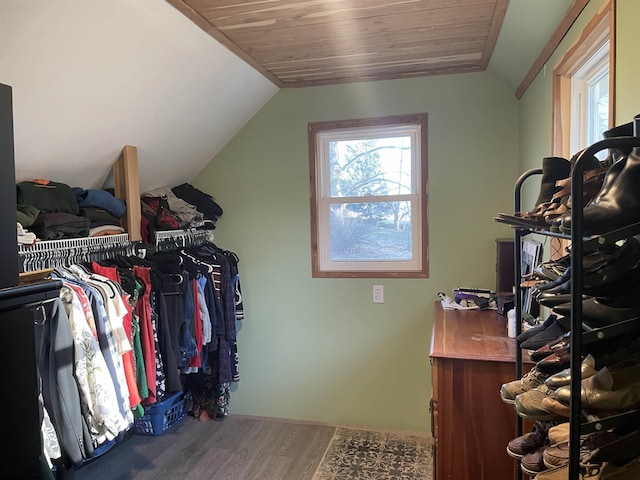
(298, 43)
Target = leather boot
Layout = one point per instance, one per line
(563, 223)
(560, 200)
(607, 391)
(615, 154)
(617, 159)
(553, 170)
(618, 206)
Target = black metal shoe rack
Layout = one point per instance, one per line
(580, 245)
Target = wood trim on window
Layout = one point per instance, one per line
(313, 129)
(597, 31)
(572, 14)
(594, 34)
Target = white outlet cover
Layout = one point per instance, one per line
(378, 294)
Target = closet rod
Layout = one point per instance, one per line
(182, 238)
(66, 243)
(56, 253)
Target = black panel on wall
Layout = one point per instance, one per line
(8, 217)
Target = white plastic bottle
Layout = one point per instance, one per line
(511, 323)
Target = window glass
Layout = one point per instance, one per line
(368, 204)
(590, 100)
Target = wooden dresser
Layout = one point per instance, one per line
(471, 357)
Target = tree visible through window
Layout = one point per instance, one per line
(368, 200)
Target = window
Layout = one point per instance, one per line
(369, 197)
(590, 101)
(583, 94)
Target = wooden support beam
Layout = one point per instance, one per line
(127, 188)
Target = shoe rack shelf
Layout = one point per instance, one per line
(580, 244)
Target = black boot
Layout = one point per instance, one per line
(616, 160)
(559, 203)
(553, 169)
(618, 205)
(616, 154)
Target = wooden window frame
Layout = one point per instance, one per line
(600, 29)
(314, 130)
(597, 31)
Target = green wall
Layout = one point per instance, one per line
(627, 64)
(536, 103)
(319, 349)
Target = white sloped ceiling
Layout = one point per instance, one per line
(90, 76)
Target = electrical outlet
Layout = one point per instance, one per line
(378, 294)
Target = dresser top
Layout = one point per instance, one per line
(471, 334)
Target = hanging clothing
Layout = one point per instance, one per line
(54, 347)
(97, 393)
(147, 337)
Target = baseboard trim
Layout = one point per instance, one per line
(416, 433)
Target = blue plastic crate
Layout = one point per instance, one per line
(160, 416)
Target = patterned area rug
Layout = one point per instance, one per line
(356, 454)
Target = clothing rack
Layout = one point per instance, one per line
(172, 239)
(57, 253)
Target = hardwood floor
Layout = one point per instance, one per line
(238, 448)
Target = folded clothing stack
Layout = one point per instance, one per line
(103, 210)
(54, 210)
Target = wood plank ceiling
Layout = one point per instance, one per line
(298, 43)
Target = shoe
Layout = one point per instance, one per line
(529, 405)
(532, 463)
(551, 405)
(553, 169)
(559, 203)
(618, 452)
(558, 455)
(604, 266)
(616, 160)
(602, 471)
(558, 433)
(540, 287)
(544, 351)
(552, 269)
(527, 443)
(556, 362)
(552, 300)
(618, 207)
(562, 378)
(617, 264)
(624, 355)
(527, 334)
(530, 380)
(602, 311)
(614, 460)
(607, 391)
(560, 326)
(616, 154)
(614, 271)
(561, 285)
